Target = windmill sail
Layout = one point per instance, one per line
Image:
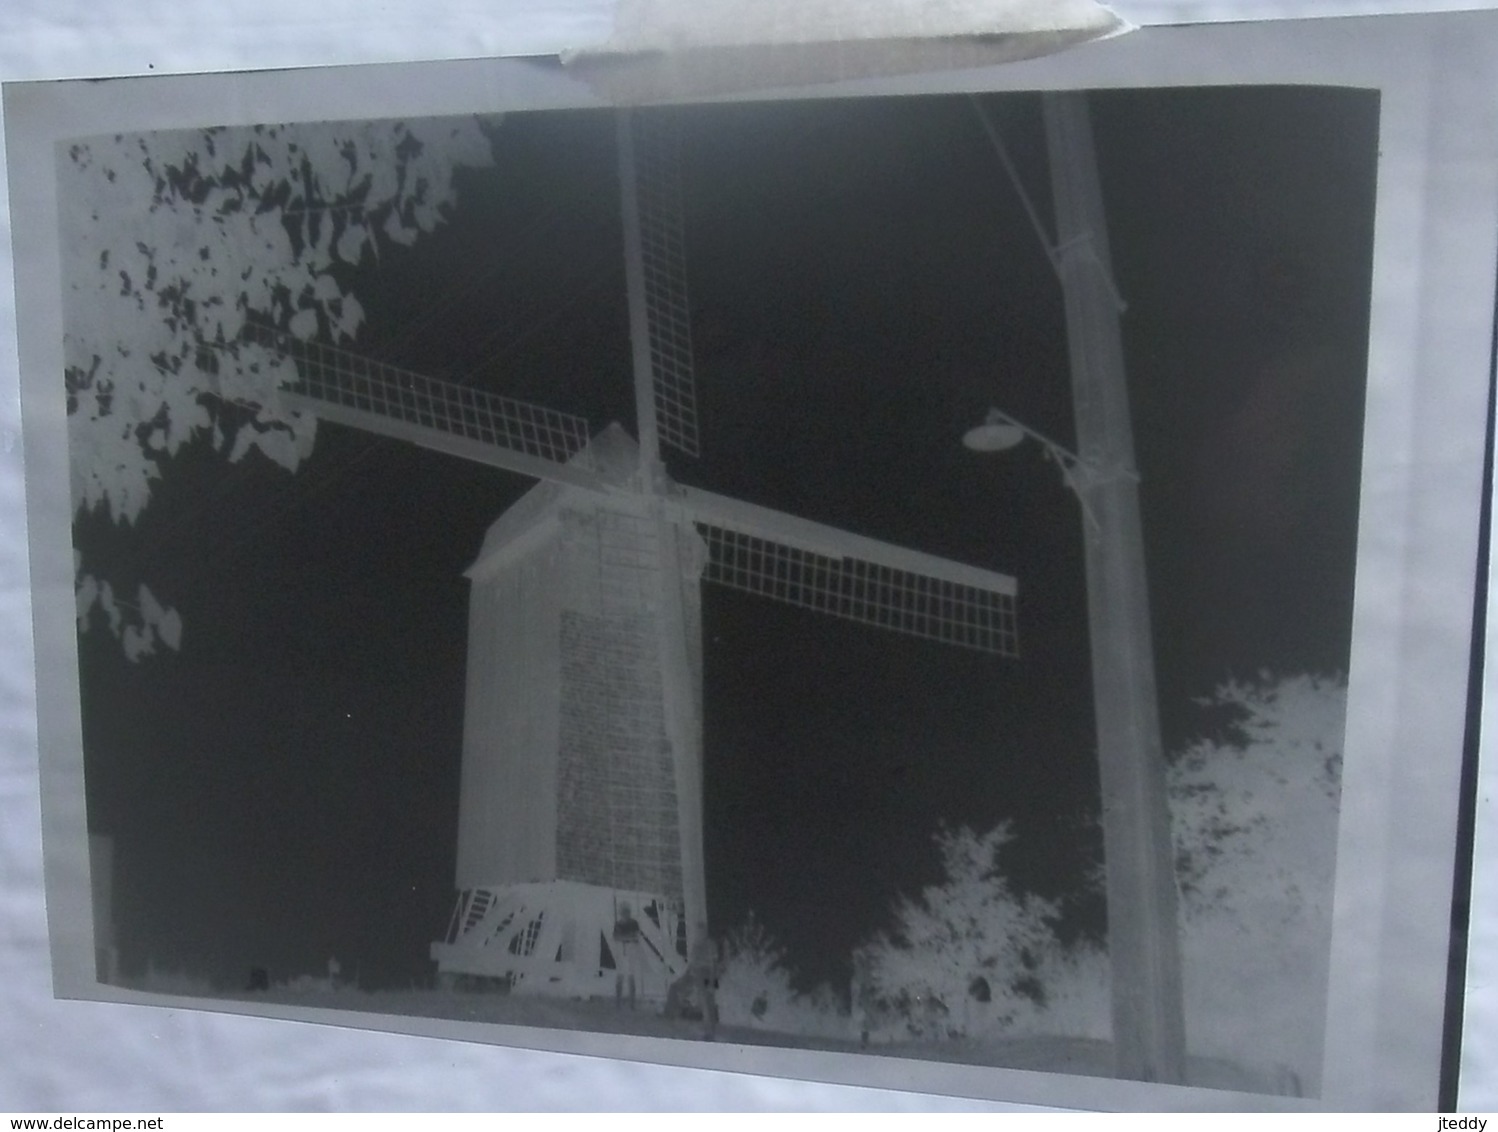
(816, 567)
(350, 389)
(656, 274)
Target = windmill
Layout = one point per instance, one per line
(581, 792)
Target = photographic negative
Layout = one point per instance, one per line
(663, 572)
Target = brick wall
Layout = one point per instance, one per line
(617, 815)
(617, 821)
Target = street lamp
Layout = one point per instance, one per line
(1143, 931)
(1000, 432)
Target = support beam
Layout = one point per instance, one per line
(679, 572)
(451, 444)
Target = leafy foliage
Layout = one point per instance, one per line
(964, 957)
(1255, 825)
(138, 624)
(173, 242)
(755, 988)
(1077, 982)
(1270, 790)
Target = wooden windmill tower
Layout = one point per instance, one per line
(582, 750)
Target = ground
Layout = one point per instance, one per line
(1083, 1056)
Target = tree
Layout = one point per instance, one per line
(963, 957)
(1255, 821)
(173, 244)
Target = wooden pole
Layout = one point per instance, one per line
(679, 569)
(1143, 932)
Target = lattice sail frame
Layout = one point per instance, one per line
(869, 593)
(657, 146)
(341, 378)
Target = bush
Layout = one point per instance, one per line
(755, 989)
(965, 959)
(159, 981)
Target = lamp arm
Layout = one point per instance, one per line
(1063, 456)
(1077, 473)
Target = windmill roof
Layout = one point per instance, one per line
(612, 453)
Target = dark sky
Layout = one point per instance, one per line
(864, 285)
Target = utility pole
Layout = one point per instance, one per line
(1143, 931)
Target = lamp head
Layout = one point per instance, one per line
(997, 433)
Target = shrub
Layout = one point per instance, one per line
(755, 989)
(966, 958)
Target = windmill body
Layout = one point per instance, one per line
(582, 751)
(572, 788)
